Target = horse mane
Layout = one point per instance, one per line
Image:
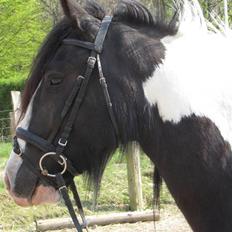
(134, 12)
(163, 18)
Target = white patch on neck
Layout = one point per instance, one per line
(14, 162)
(196, 76)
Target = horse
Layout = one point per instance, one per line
(167, 86)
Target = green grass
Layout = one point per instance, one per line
(5, 150)
(113, 195)
(4, 154)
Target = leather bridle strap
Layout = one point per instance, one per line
(69, 113)
(78, 43)
(64, 192)
(72, 107)
(72, 96)
(78, 203)
(99, 41)
(63, 141)
(109, 104)
(97, 46)
(34, 140)
(41, 144)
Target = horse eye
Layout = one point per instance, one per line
(55, 82)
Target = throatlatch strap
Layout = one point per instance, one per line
(109, 104)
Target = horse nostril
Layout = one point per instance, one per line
(7, 182)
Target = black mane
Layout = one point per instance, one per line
(134, 12)
(166, 19)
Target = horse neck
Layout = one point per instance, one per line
(195, 163)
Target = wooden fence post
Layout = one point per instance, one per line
(134, 177)
(16, 101)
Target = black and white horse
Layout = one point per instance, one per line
(170, 86)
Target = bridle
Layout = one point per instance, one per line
(70, 111)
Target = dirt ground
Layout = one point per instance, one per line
(171, 221)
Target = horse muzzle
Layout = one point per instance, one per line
(41, 195)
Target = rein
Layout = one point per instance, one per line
(71, 109)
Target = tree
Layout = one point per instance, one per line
(51, 10)
(22, 30)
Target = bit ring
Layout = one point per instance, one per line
(45, 172)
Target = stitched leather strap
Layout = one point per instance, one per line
(34, 140)
(99, 41)
(73, 105)
(79, 43)
(64, 192)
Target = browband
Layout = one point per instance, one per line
(97, 46)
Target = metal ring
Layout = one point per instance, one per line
(45, 172)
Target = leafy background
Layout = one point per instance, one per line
(23, 27)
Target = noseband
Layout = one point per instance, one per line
(55, 150)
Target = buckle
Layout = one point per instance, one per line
(63, 142)
(80, 77)
(102, 80)
(91, 61)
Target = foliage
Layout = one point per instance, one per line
(5, 87)
(22, 30)
(4, 153)
(51, 10)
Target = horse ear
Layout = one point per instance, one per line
(74, 11)
(84, 20)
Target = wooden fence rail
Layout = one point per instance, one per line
(103, 220)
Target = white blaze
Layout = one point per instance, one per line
(14, 162)
(195, 76)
